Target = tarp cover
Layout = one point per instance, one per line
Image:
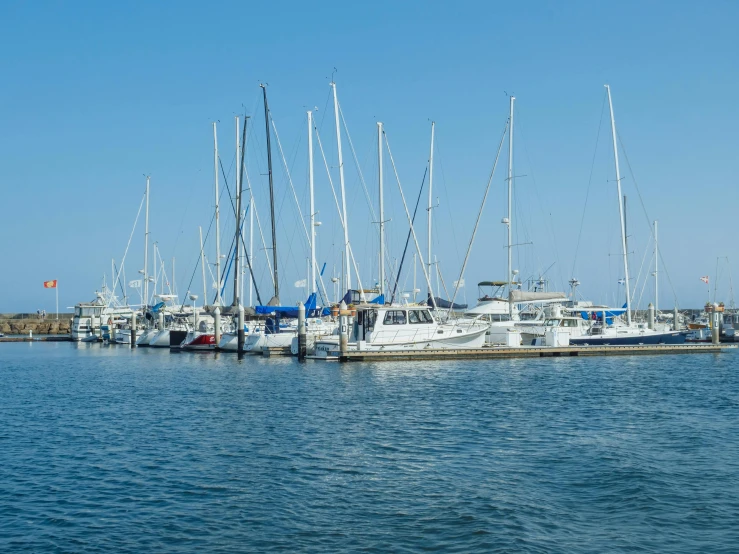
(445, 304)
(526, 296)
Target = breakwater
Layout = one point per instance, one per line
(21, 324)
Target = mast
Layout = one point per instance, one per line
(312, 271)
(271, 200)
(656, 267)
(510, 207)
(146, 247)
(620, 209)
(348, 275)
(236, 296)
(202, 264)
(382, 210)
(431, 188)
(218, 216)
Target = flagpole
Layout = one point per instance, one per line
(56, 288)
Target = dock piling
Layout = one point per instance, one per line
(301, 332)
(240, 332)
(217, 325)
(133, 329)
(650, 316)
(343, 330)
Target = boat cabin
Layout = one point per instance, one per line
(374, 322)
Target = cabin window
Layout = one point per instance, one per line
(419, 316)
(394, 317)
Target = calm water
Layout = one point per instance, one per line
(107, 450)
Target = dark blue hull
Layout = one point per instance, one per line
(672, 337)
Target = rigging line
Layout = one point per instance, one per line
(590, 182)
(289, 178)
(408, 239)
(448, 203)
(552, 229)
(256, 216)
(479, 214)
(356, 163)
(410, 221)
(123, 261)
(646, 215)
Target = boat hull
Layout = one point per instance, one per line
(200, 342)
(674, 337)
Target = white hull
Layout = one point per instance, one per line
(146, 337)
(160, 340)
(255, 342)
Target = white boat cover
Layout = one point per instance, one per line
(526, 296)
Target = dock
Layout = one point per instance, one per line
(493, 352)
(53, 338)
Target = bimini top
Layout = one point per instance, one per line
(492, 283)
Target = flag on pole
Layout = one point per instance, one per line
(705, 279)
(458, 284)
(50, 284)
(622, 281)
(301, 283)
(135, 284)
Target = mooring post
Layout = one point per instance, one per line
(301, 332)
(675, 319)
(343, 330)
(650, 316)
(133, 329)
(715, 325)
(240, 332)
(161, 320)
(217, 325)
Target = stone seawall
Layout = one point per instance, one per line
(21, 324)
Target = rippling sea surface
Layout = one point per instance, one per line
(105, 449)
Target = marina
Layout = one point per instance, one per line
(369, 277)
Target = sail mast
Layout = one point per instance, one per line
(271, 199)
(382, 210)
(236, 296)
(348, 276)
(218, 216)
(146, 248)
(510, 207)
(620, 210)
(312, 271)
(431, 188)
(656, 268)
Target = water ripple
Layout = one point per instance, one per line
(107, 449)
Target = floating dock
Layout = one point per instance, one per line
(493, 352)
(53, 338)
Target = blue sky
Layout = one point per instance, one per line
(95, 95)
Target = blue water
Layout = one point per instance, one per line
(104, 449)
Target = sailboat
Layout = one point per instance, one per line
(611, 329)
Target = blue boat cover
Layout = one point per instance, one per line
(292, 311)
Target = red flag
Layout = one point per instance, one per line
(50, 284)
(705, 279)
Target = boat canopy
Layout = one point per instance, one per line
(492, 283)
(530, 296)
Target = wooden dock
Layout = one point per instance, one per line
(529, 352)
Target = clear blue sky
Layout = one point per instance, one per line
(95, 94)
